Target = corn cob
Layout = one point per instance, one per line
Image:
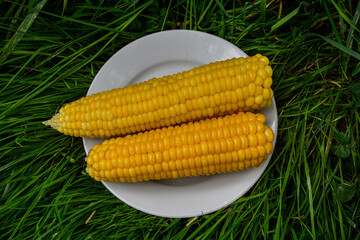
(212, 90)
(210, 146)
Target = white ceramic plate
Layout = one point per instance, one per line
(162, 54)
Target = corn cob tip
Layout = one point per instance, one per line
(46, 123)
(53, 122)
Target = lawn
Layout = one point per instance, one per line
(50, 51)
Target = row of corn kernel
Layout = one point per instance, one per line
(186, 99)
(190, 144)
(174, 169)
(208, 129)
(159, 118)
(113, 160)
(144, 102)
(128, 124)
(225, 127)
(127, 95)
(138, 96)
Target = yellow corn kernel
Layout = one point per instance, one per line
(269, 134)
(259, 99)
(267, 82)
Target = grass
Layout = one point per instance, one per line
(51, 50)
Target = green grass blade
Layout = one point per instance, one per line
(285, 19)
(20, 32)
(345, 17)
(333, 43)
(330, 17)
(351, 31)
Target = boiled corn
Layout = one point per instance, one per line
(212, 90)
(217, 145)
